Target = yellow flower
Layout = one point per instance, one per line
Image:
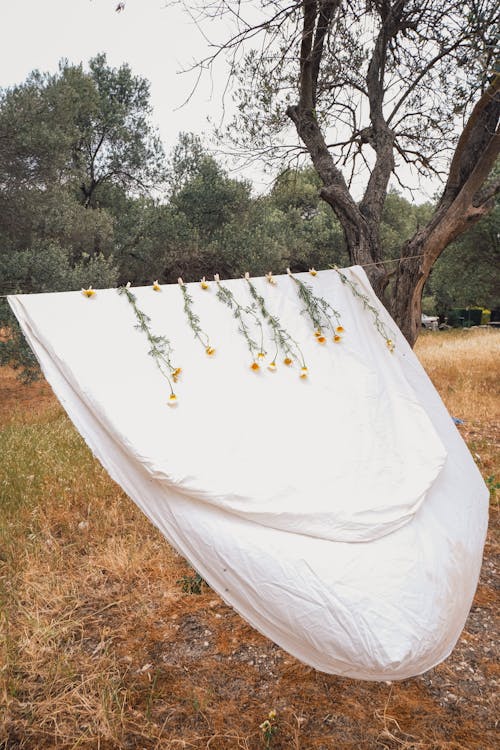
(337, 338)
(204, 283)
(288, 361)
(303, 372)
(317, 333)
(270, 278)
(272, 714)
(172, 400)
(261, 355)
(255, 366)
(156, 286)
(265, 726)
(210, 351)
(390, 345)
(339, 329)
(313, 272)
(88, 292)
(176, 374)
(272, 366)
(321, 339)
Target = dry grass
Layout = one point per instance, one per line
(464, 365)
(100, 648)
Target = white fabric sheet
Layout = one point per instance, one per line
(342, 515)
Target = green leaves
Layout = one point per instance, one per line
(160, 346)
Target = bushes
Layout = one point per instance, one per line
(43, 268)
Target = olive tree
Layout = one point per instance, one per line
(365, 88)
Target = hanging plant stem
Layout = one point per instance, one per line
(318, 309)
(161, 348)
(365, 300)
(194, 320)
(282, 339)
(225, 295)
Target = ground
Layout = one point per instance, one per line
(105, 644)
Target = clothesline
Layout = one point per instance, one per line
(363, 265)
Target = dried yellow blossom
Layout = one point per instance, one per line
(176, 374)
(204, 283)
(88, 292)
(337, 338)
(313, 272)
(288, 361)
(390, 345)
(303, 372)
(272, 366)
(339, 329)
(210, 351)
(261, 355)
(270, 278)
(172, 400)
(255, 366)
(272, 714)
(156, 286)
(321, 339)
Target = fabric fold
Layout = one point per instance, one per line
(328, 512)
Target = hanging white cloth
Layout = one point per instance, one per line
(341, 514)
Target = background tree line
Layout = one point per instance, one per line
(88, 196)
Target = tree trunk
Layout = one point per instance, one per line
(405, 304)
(466, 196)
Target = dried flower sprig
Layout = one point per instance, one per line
(282, 339)
(384, 331)
(161, 348)
(242, 314)
(194, 320)
(321, 313)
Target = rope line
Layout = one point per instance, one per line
(362, 265)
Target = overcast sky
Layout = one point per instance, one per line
(156, 41)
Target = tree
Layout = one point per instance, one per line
(374, 84)
(115, 140)
(66, 139)
(468, 272)
(75, 147)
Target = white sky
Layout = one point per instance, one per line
(156, 41)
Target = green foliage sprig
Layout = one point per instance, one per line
(365, 300)
(161, 348)
(192, 584)
(318, 309)
(194, 320)
(282, 339)
(269, 728)
(242, 314)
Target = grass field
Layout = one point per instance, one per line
(100, 647)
